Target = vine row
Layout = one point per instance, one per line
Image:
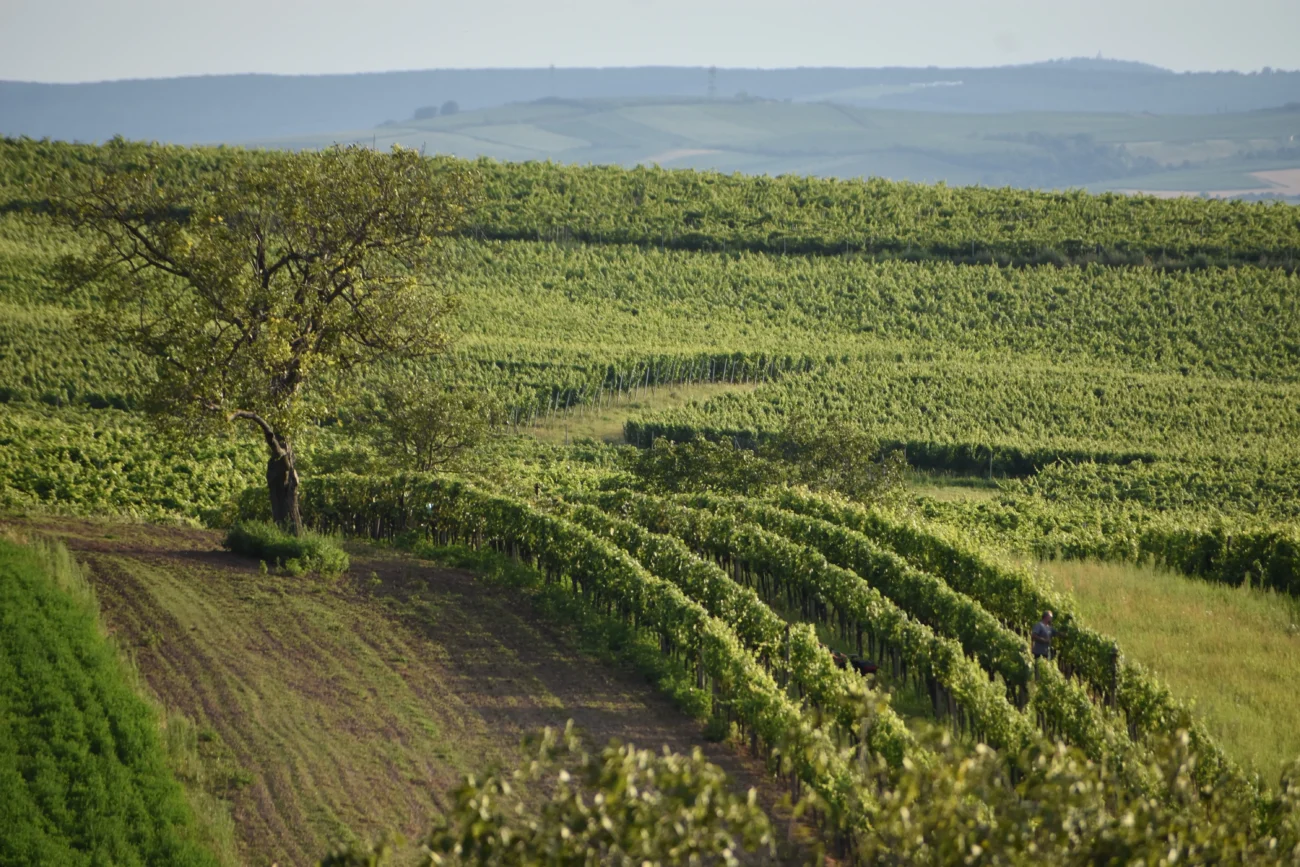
(790, 651)
(958, 688)
(609, 579)
(1018, 598)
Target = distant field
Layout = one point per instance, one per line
(1220, 178)
(1213, 153)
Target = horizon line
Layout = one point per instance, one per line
(1153, 68)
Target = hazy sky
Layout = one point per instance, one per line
(89, 40)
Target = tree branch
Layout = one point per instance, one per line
(245, 415)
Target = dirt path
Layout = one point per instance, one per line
(333, 710)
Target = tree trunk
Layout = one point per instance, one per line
(281, 474)
(282, 483)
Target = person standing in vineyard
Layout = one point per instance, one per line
(1041, 637)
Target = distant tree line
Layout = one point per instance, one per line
(425, 112)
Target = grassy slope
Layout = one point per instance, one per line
(330, 711)
(1234, 652)
(83, 776)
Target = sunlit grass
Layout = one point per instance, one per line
(1234, 652)
(948, 487)
(605, 422)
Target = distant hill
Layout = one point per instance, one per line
(1103, 64)
(1248, 153)
(230, 108)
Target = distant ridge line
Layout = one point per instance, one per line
(248, 106)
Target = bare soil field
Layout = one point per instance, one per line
(1282, 182)
(337, 709)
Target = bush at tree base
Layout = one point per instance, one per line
(310, 552)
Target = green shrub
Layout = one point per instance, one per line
(310, 552)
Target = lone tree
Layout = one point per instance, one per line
(256, 287)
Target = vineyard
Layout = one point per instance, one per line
(705, 575)
(710, 211)
(1122, 374)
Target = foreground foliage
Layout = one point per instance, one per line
(1058, 808)
(620, 806)
(628, 806)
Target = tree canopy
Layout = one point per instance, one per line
(255, 287)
